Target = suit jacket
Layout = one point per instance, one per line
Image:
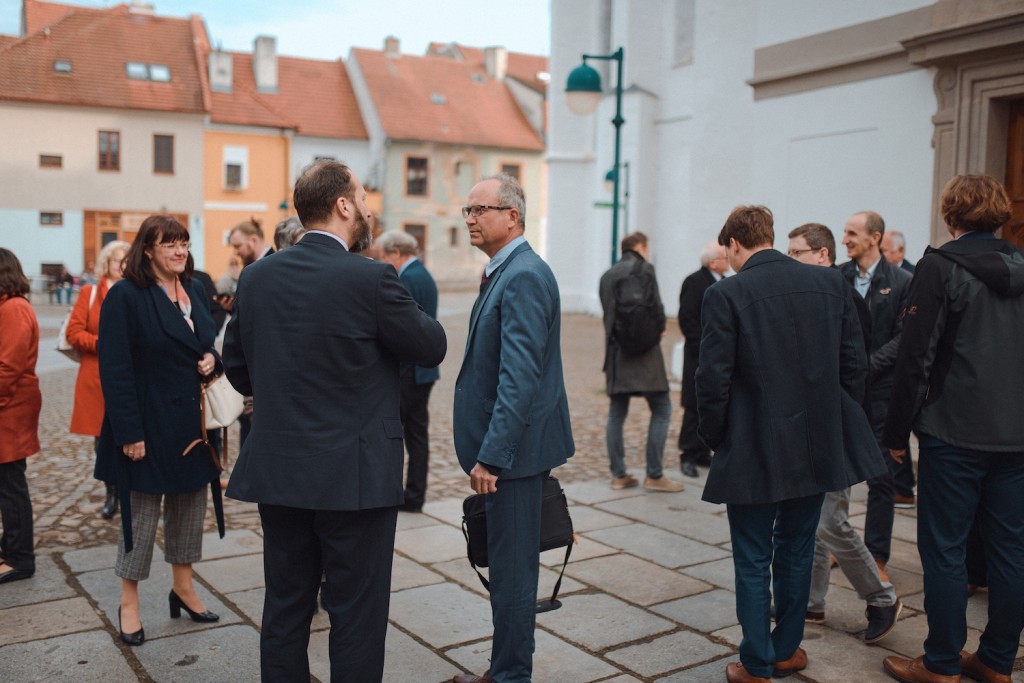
(148, 356)
(907, 266)
(421, 286)
(514, 345)
(624, 373)
(691, 298)
(316, 339)
(781, 373)
(887, 297)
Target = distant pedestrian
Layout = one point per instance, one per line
(83, 334)
(288, 232)
(400, 249)
(633, 372)
(714, 264)
(20, 403)
(64, 285)
(894, 249)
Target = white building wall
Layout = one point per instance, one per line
(353, 153)
(699, 144)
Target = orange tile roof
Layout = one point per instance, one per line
(473, 108)
(98, 43)
(39, 15)
(314, 97)
(521, 66)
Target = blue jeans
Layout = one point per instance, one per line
(657, 431)
(772, 545)
(954, 485)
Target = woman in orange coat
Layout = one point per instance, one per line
(82, 333)
(20, 402)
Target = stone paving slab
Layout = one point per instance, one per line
(719, 573)
(408, 574)
(235, 542)
(232, 574)
(667, 653)
(600, 621)
(250, 604)
(442, 615)
(89, 656)
(207, 657)
(667, 549)
(712, 672)
(91, 559)
(48, 583)
(429, 544)
(584, 549)
(47, 619)
(586, 518)
(461, 572)
(635, 580)
(709, 611)
(407, 660)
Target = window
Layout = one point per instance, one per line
(419, 231)
(110, 150)
(140, 71)
(233, 176)
(137, 71)
(51, 161)
(453, 236)
(163, 154)
(51, 218)
(511, 169)
(236, 167)
(159, 72)
(416, 176)
(62, 66)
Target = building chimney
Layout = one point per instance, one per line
(142, 7)
(221, 68)
(264, 63)
(391, 46)
(496, 62)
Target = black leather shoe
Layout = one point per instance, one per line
(133, 639)
(110, 504)
(177, 605)
(881, 620)
(15, 575)
(689, 469)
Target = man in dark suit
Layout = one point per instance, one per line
(317, 337)
(781, 372)
(894, 249)
(713, 266)
(399, 248)
(885, 288)
(511, 414)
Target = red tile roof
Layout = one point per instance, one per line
(38, 14)
(443, 100)
(314, 97)
(98, 43)
(522, 67)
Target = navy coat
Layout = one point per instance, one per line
(511, 409)
(421, 286)
(148, 357)
(691, 298)
(781, 374)
(316, 339)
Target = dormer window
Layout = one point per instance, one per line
(438, 98)
(140, 71)
(62, 66)
(159, 72)
(137, 70)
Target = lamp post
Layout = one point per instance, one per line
(583, 92)
(609, 181)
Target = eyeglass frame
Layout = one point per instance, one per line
(174, 246)
(478, 209)
(793, 253)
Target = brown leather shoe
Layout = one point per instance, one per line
(798, 662)
(470, 678)
(972, 667)
(914, 671)
(735, 673)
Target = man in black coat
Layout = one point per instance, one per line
(885, 288)
(713, 266)
(781, 374)
(317, 337)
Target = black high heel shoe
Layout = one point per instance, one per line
(177, 605)
(133, 639)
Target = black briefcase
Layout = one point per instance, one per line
(555, 532)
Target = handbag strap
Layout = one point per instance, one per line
(469, 554)
(205, 440)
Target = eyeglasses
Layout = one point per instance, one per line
(796, 252)
(173, 246)
(478, 209)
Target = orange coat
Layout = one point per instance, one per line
(20, 399)
(82, 333)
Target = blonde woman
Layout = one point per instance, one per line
(83, 333)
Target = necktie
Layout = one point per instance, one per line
(483, 281)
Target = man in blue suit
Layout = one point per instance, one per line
(317, 337)
(511, 416)
(781, 376)
(399, 248)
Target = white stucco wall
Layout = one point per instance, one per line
(353, 153)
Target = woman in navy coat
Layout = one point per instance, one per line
(155, 348)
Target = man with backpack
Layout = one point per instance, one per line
(634, 322)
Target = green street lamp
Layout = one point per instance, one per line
(609, 183)
(583, 92)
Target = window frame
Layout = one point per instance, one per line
(425, 179)
(57, 222)
(112, 159)
(44, 158)
(157, 169)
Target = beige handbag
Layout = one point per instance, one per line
(223, 403)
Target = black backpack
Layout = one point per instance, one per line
(638, 314)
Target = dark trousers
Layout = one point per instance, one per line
(416, 423)
(903, 476)
(513, 551)
(354, 550)
(691, 448)
(954, 485)
(16, 543)
(880, 512)
(773, 552)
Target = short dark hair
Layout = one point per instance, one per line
(318, 189)
(12, 278)
(817, 237)
(872, 222)
(249, 228)
(633, 240)
(974, 202)
(751, 226)
(161, 229)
